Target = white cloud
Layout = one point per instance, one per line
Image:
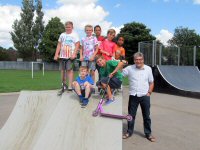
(196, 1)
(117, 5)
(8, 14)
(76, 2)
(117, 29)
(80, 12)
(164, 36)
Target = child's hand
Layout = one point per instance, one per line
(73, 57)
(91, 58)
(81, 59)
(56, 57)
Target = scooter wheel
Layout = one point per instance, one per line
(129, 117)
(95, 113)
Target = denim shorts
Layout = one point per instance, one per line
(67, 64)
(114, 82)
(90, 64)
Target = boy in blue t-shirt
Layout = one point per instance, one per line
(83, 85)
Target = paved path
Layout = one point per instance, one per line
(175, 122)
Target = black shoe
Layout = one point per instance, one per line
(61, 92)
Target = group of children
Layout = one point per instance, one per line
(96, 52)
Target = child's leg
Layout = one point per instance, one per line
(92, 67)
(109, 93)
(70, 74)
(87, 86)
(92, 73)
(76, 87)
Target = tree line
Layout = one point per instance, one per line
(31, 38)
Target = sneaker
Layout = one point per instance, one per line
(109, 101)
(61, 92)
(69, 89)
(81, 99)
(64, 86)
(85, 101)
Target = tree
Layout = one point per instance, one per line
(27, 34)
(133, 33)
(22, 35)
(38, 27)
(184, 37)
(49, 41)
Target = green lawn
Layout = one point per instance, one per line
(17, 80)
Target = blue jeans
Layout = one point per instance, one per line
(144, 102)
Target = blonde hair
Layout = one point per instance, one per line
(88, 26)
(83, 68)
(69, 23)
(111, 31)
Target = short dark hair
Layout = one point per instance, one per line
(99, 56)
(97, 26)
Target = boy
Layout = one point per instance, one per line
(83, 85)
(66, 51)
(109, 69)
(88, 51)
(108, 47)
(120, 51)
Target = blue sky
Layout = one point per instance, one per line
(161, 16)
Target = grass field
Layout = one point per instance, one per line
(17, 80)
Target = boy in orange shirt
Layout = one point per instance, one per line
(120, 51)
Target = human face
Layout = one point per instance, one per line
(68, 28)
(110, 36)
(139, 62)
(83, 73)
(120, 41)
(97, 31)
(101, 62)
(88, 31)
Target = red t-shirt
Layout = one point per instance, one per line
(108, 46)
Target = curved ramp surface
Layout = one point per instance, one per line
(186, 78)
(27, 120)
(66, 127)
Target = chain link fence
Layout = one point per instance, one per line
(158, 54)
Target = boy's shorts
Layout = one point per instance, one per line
(67, 64)
(90, 64)
(114, 82)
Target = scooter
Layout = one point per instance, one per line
(99, 110)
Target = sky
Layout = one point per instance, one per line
(161, 16)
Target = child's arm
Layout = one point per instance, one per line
(105, 52)
(95, 53)
(81, 53)
(118, 67)
(56, 56)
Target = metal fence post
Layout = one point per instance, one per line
(179, 56)
(160, 55)
(194, 55)
(153, 51)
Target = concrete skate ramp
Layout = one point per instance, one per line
(66, 127)
(186, 78)
(27, 120)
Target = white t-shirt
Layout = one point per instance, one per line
(139, 79)
(68, 42)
